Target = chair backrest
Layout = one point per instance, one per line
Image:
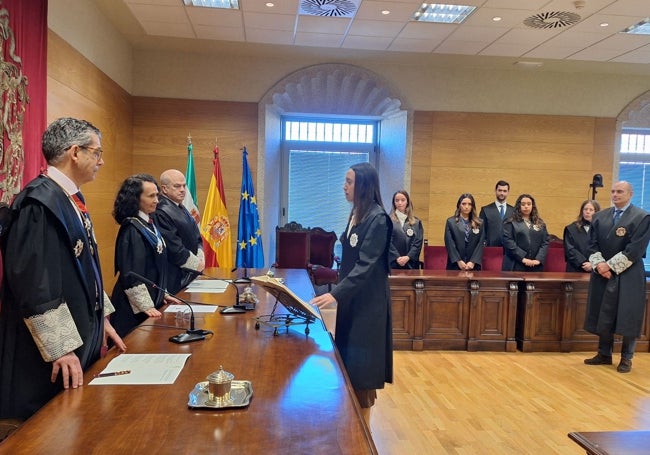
(291, 246)
(321, 247)
(435, 257)
(555, 261)
(492, 258)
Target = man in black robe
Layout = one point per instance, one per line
(616, 304)
(180, 231)
(53, 321)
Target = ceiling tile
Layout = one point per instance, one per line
(263, 21)
(366, 42)
(375, 28)
(329, 25)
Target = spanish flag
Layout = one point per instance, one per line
(215, 227)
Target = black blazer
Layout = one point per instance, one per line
(523, 242)
(576, 243)
(493, 224)
(457, 249)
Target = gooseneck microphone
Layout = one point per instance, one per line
(191, 334)
(237, 307)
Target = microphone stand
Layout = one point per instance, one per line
(243, 279)
(236, 308)
(191, 334)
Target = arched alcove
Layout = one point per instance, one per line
(634, 115)
(331, 89)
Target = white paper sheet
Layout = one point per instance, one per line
(208, 286)
(195, 308)
(144, 369)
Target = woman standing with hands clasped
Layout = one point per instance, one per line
(525, 239)
(464, 236)
(408, 234)
(363, 313)
(139, 248)
(576, 238)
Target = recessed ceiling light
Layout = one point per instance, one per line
(385, 12)
(604, 24)
(446, 14)
(222, 4)
(642, 28)
(496, 18)
(270, 5)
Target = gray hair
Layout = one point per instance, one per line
(63, 133)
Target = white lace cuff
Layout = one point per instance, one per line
(108, 305)
(54, 332)
(139, 298)
(619, 263)
(596, 259)
(192, 262)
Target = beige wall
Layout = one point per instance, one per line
(553, 157)
(76, 88)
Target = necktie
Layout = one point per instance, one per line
(502, 211)
(617, 215)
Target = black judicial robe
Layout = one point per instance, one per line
(406, 241)
(493, 224)
(363, 317)
(458, 249)
(576, 243)
(182, 237)
(521, 241)
(137, 250)
(47, 264)
(617, 305)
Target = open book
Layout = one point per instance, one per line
(294, 304)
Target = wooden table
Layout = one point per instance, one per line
(613, 442)
(302, 399)
(494, 311)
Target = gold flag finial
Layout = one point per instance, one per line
(189, 138)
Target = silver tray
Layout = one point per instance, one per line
(240, 396)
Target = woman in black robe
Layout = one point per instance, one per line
(464, 236)
(363, 317)
(525, 238)
(139, 248)
(576, 238)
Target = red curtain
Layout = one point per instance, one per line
(24, 24)
(28, 22)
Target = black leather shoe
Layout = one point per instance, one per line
(624, 366)
(599, 359)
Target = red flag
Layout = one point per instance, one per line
(215, 226)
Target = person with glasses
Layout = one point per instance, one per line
(180, 231)
(53, 317)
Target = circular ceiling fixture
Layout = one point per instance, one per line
(335, 8)
(552, 19)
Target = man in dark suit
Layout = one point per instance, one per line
(180, 231)
(617, 289)
(494, 214)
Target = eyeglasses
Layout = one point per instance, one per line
(97, 151)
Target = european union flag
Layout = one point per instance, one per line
(250, 253)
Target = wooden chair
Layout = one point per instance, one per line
(291, 246)
(492, 258)
(435, 257)
(321, 258)
(555, 261)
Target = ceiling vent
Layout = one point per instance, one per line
(332, 8)
(553, 19)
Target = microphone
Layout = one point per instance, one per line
(190, 334)
(243, 279)
(236, 308)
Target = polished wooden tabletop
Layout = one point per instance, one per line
(613, 442)
(302, 399)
